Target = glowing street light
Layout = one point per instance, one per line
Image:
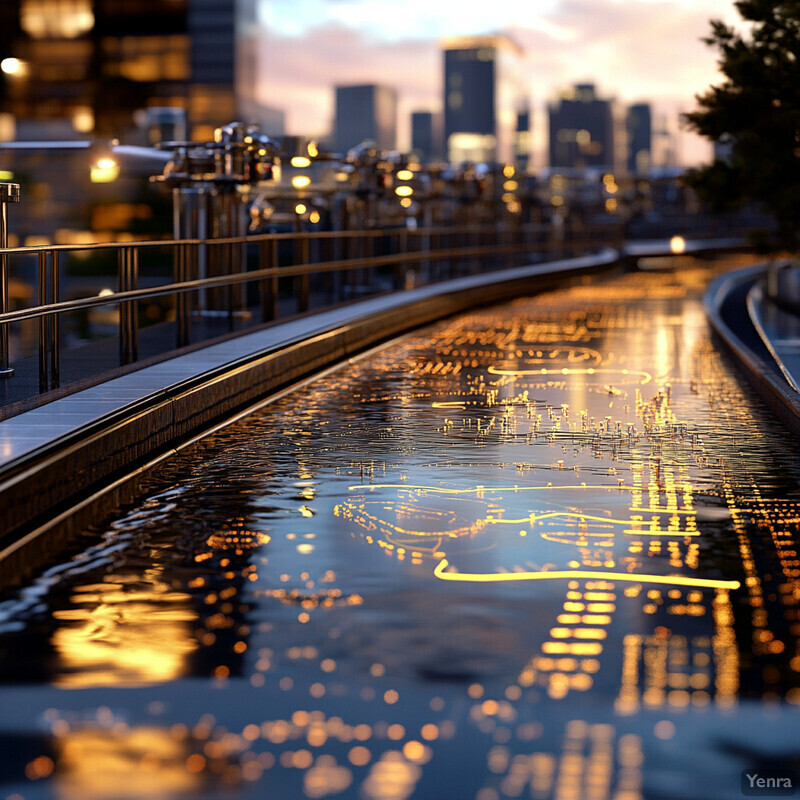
(12, 66)
(677, 244)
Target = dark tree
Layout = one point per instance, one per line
(756, 112)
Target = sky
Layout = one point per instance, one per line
(633, 50)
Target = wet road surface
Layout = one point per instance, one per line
(547, 550)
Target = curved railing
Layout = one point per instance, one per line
(215, 287)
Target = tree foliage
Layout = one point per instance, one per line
(756, 112)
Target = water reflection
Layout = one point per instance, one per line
(130, 630)
(545, 550)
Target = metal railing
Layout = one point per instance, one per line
(257, 279)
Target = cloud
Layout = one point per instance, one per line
(300, 76)
(636, 50)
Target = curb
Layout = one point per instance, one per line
(725, 301)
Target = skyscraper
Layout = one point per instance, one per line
(586, 131)
(97, 64)
(365, 112)
(639, 125)
(426, 136)
(485, 98)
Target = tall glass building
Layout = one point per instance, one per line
(485, 100)
(639, 125)
(367, 112)
(587, 131)
(96, 65)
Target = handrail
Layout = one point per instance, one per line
(245, 277)
(458, 249)
(260, 237)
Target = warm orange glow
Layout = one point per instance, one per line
(642, 377)
(143, 763)
(677, 244)
(124, 638)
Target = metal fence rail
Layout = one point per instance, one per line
(211, 276)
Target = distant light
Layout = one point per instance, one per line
(511, 186)
(313, 149)
(404, 191)
(406, 202)
(314, 217)
(301, 181)
(611, 205)
(301, 161)
(508, 171)
(557, 200)
(300, 208)
(342, 177)
(405, 175)
(6, 175)
(105, 292)
(11, 66)
(677, 244)
(83, 119)
(104, 171)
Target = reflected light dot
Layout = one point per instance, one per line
(664, 729)
(359, 756)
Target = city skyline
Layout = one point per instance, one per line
(635, 50)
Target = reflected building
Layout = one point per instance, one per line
(485, 100)
(365, 112)
(586, 131)
(78, 67)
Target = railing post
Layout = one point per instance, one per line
(182, 299)
(55, 322)
(128, 266)
(9, 193)
(268, 287)
(47, 293)
(41, 300)
(303, 292)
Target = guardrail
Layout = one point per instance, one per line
(208, 278)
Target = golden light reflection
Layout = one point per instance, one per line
(626, 374)
(142, 763)
(119, 636)
(440, 571)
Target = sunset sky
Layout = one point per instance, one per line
(635, 50)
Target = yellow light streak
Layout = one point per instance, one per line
(484, 489)
(578, 515)
(563, 574)
(644, 377)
